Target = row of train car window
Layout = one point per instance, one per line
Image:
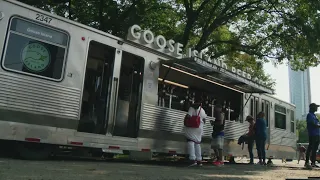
(35, 50)
(280, 113)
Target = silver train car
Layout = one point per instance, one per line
(64, 84)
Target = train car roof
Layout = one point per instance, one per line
(272, 96)
(245, 86)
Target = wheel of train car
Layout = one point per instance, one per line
(33, 151)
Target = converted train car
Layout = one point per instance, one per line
(65, 85)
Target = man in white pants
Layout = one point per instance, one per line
(194, 135)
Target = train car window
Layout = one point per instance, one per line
(35, 50)
(292, 120)
(267, 112)
(280, 117)
(256, 107)
(252, 107)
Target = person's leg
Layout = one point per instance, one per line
(263, 150)
(314, 150)
(197, 148)
(191, 151)
(299, 157)
(250, 148)
(258, 146)
(221, 155)
(221, 146)
(309, 150)
(216, 151)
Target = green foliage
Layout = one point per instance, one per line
(302, 130)
(232, 30)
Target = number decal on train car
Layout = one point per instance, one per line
(43, 18)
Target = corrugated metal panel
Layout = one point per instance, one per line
(164, 119)
(284, 138)
(18, 92)
(233, 130)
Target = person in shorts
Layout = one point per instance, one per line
(217, 142)
(302, 152)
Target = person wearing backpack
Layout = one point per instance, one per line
(193, 130)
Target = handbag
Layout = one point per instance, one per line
(192, 121)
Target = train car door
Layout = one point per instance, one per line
(97, 88)
(127, 94)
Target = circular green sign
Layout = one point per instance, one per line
(35, 57)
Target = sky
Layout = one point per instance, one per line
(281, 75)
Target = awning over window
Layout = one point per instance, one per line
(217, 74)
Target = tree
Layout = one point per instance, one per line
(302, 130)
(254, 30)
(265, 29)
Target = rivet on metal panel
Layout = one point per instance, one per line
(153, 65)
(1, 15)
(118, 51)
(69, 75)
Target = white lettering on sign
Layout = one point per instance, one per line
(39, 33)
(172, 48)
(159, 42)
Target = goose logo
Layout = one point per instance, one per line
(35, 57)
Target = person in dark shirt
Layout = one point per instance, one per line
(314, 135)
(217, 142)
(250, 136)
(261, 137)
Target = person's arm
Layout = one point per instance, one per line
(203, 115)
(312, 122)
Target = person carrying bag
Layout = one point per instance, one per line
(193, 130)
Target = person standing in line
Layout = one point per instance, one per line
(261, 137)
(302, 152)
(250, 137)
(194, 135)
(314, 135)
(218, 134)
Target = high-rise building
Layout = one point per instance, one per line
(300, 93)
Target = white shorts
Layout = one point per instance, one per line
(217, 142)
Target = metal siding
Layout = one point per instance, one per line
(157, 118)
(283, 138)
(38, 96)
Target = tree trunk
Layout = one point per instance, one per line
(101, 20)
(70, 10)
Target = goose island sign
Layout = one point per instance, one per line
(175, 49)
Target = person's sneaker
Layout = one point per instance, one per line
(218, 163)
(199, 163)
(314, 165)
(308, 166)
(192, 163)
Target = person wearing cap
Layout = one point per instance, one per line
(314, 135)
(250, 136)
(261, 137)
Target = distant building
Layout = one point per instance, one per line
(300, 93)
